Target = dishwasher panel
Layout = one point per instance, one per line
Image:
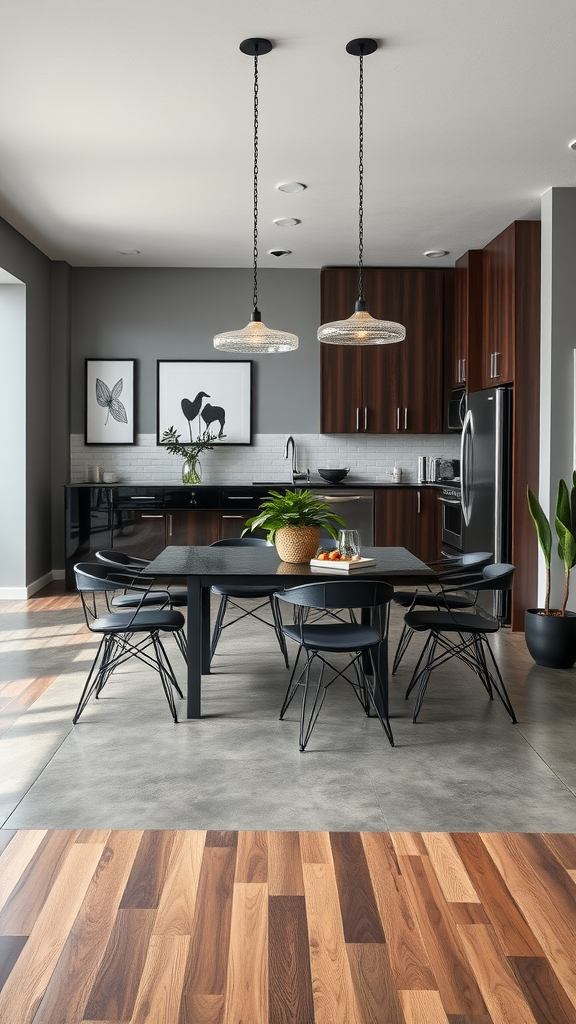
(356, 508)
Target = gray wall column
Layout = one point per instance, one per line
(557, 369)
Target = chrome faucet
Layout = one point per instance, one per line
(291, 442)
(296, 476)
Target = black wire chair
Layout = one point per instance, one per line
(134, 633)
(461, 634)
(354, 638)
(177, 596)
(457, 566)
(231, 593)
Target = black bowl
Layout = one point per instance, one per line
(333, 476)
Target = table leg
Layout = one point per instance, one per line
(381, 686)
(206, 591)
(194, 647)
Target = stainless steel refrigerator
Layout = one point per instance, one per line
(486, 468)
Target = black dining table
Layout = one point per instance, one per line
(205, 567)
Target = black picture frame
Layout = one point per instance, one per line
(106, 403)
(209, 386)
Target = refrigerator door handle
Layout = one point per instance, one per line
(465, 449)
(498, 476)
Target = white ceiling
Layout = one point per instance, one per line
(128, 124)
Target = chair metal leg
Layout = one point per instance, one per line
(403, 644)
(183, 646)
(169, 670)
(482, 667)
(91, 683)
(278, 629)
(500, 687)
(218, 625)
(164, 677)
(425, 674)
(306, 729)
(382, 715)
(416, 671)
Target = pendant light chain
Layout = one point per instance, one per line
(255, 338)
(361, 181)
(255, 250)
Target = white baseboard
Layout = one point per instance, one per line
(13, 593)
(32, 588)
(23, 593)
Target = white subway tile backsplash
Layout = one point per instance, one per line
(370, 457)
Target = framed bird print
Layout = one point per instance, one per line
(110, 401)
(205, 399)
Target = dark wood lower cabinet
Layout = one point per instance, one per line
(408, 517)
(139, 533)
(196, 527)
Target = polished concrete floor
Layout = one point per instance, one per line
(463, 767)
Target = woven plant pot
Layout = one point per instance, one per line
(297, 543)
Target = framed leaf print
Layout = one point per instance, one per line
(110, 401)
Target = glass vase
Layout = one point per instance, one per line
(191, 471)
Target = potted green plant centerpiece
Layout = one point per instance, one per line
(292, 521)
(551, 632)
(190, 451)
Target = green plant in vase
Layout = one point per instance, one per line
(190, 451)
(292, 521)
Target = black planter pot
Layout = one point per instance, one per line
(551, 639)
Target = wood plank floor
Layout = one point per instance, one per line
(287, 928)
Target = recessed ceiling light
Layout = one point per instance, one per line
(435, 254)
(128, 252)
(287, 222)
(291, 186)
(572, 145)
(279, 252)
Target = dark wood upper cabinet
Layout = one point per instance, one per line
(385, 389)
(511, 264)
(467, 360)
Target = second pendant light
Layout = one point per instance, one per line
(361, 328)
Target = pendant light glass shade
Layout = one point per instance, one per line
(361, 328)
(255, 337)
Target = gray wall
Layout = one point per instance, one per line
(60, 328)
(557, 445)
(22, 259)
(13, 436)
(151, 314)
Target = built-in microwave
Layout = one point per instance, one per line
(457, 409)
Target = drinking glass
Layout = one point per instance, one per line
(349, 544)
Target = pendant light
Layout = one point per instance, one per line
(361, 328)
(256, 337)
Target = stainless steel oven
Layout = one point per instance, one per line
(452, 520)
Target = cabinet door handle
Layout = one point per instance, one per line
(459, 373)
(496, 374)
(418, 502)
(170, 525)
(232, 517)
(398, 418)
(463, 378)
(240, 497)
(365, 417)
(406, 419)
(144, 516)
(357, 419)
